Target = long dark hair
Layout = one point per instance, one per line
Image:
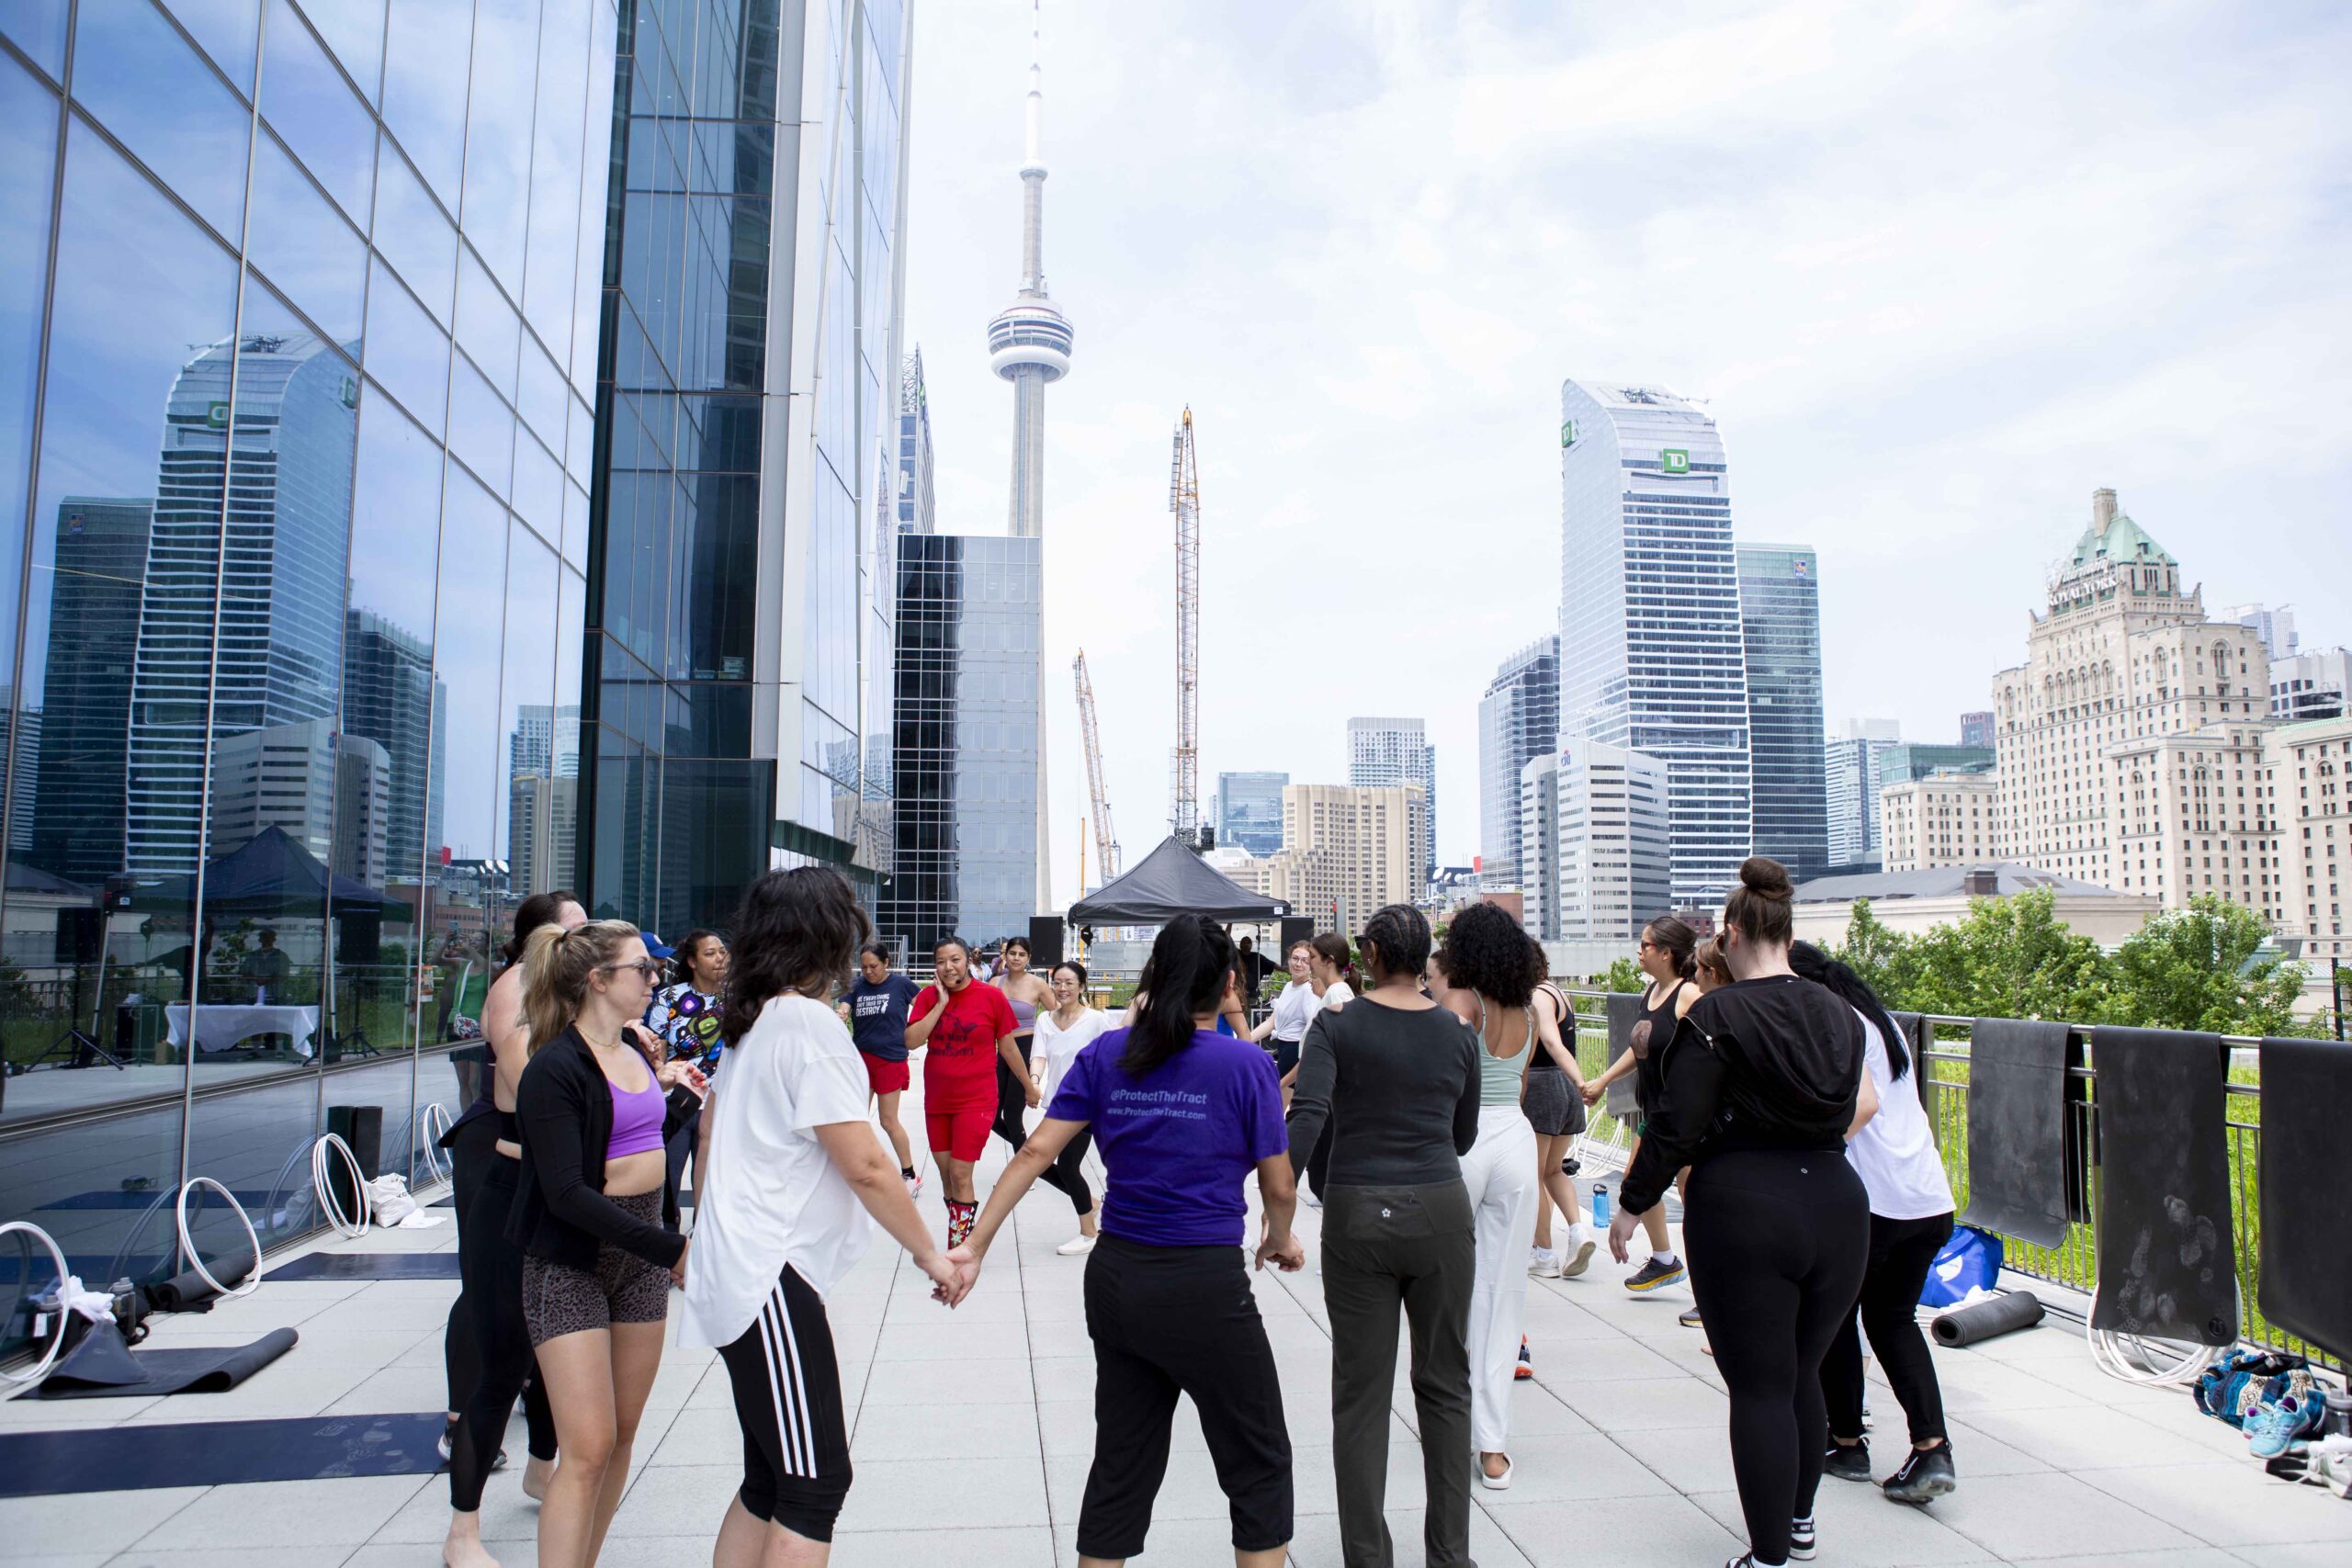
(1673, 934)
(538, 909)
(1823, 970)
(795, 927)
(682, 957)
(1191, 965)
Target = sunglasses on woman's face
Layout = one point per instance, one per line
(651, 968)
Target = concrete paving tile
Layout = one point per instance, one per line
(1639, 1532)
(1644, 1404)
(892, 1495)
(953, 1339)
(82, 1522)
(1972, 1385)
(2309, 1554)
(2025, 1517)
(2187, 1557)
(991, 1381)
(2088, 1439)
(1689, 1459)
(397, 1388)
(236, 1557)
(1316, 1544)
(679, 1503)
(2231, 1504)
(277, 1390)
(1021, 1547)
(915, 1432)
(24, 1413)
(345, 1511)
(1857, 1525)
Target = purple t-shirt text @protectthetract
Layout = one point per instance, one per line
(1179, 1141)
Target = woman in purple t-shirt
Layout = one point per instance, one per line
(1181, 1115)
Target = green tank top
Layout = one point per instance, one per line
(1498, 1076)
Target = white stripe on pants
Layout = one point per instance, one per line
(1499, 1171)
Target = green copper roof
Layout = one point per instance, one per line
(2124, 540)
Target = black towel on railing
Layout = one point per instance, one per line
(2167, 1260)
(2016, 1129)
(1918, 1038)
(2306, 1283)
(1624, 1012)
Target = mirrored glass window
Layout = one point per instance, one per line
(308, 251)
(424, 97)
(308, 102)
(355, 31)
(136, 72)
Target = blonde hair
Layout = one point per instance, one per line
(557, 965)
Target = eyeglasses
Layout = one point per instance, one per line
(1646, 946)
(651, 968)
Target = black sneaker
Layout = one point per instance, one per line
(1803, 1542)
(1654, 1276)
(1847, 1461)
(1924, 1476)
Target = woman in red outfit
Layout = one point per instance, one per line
(968, 1028)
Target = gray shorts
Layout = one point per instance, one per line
(1554, 1109)
(558, 1299)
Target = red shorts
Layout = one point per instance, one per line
(961, 1133)
(883, 1075)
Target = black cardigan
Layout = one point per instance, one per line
(564, 1104)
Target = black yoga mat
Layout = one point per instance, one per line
(101, 1366)
(1980, 1321)
(2166, 1267)
(115, 1198)
(2306, 1284)
(2016, 1129)
(1918, 1034)
(368, 1266)
(1624, 1012)
(214, 1454)
(190, 1292)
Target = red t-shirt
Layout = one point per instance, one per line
(959, 1068)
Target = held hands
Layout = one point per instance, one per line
(1620, 1232)
(949, 1285)
(1032, 1094)
(678, 1270)
(1289, 1255)
(1591, 1092)
(964, 1265)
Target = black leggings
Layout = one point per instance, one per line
(1902, 1251)
(472, 1156)
(1012, 1106)
(491, 1268)
(1777, 1240)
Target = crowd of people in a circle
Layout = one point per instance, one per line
(1425, 1095)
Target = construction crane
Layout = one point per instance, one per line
(1106, 843)
(1184, 760)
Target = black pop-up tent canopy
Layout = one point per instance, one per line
(1172, 880)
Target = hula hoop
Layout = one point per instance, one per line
(196, 1259)
(436, 1119)
(345, 1225)
(57, 1341)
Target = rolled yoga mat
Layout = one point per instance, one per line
(211, 1453)
(1986, 1320)
(191, 1292)
(368, 1266)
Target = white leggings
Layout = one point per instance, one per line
(1499, 1171)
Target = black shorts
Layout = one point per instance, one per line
(789, 1402)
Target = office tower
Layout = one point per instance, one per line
(99, 563)
(2275, 625)
(1385, 753)
(21, 734)
(1779, 618)
(1539, 847)
(1518, 719)
(1937, 820)
(242, 616)
(1346, 852)
(1652, 657)
(330, 792)
(1854, 762)
(1976, 730)
(2126, 685)
(917, 493)
(543, 796)
(969, 618)
(1907, 759)
(1249, 811)
(2311, 685)
(391, 695)
(741, 652)
(2314, 833)
(1613, 841)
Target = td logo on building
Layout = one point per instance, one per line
(1673, 460)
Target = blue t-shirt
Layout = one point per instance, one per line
(1179, 1141)
(877, 1016)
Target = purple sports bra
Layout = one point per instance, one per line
(637, 1119)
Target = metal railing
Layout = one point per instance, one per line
(2074, 1263)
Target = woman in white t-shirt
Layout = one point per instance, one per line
(1063, 1031)
(791, 1172)
(1293, 1012)
(1329, 971)
(1911, 1217)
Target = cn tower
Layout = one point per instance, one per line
(1029, 343)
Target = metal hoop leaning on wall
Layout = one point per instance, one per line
(346, 1226)
(434, 1119)
(196, 1259)
(57, 1341)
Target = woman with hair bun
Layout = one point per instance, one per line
(1759, 1088)
(1664, 955)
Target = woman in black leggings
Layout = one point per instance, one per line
(1761, 1086)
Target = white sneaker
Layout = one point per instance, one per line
(1076, 1246)
(1496, 1483)
(1309, 1199)
(1543, 1263)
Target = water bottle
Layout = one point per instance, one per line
(1601, 1205)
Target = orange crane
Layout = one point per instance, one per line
(1106, 843)
(1184, 760)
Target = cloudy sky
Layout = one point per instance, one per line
(1941, 270)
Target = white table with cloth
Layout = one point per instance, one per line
(221, 1025)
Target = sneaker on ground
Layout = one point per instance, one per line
(1542, 1263)
(1689, 1317)
(1847, 1461)
(1526, 1367)
(1076, 1246)
(1577, 1263)
(1925, 1476)
(1654, 1276)
(1803, 1542)
(2272, 1425)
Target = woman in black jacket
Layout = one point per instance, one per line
(594, 1213)
(1759, 1088)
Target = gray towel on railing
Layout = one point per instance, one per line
(1919, 1039)
(2167, 1264)
(2016, 1129)
(2306, 1284)
(1624, 1012)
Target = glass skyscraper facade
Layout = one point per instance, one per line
(970, 621)
(1854, 768)
(1780, 619)
(1651, 650)
(1250, 812)
(400, 523)
(1518, 720)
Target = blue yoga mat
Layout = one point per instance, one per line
(368, 1266)
(115, 1198)
(214, 1454)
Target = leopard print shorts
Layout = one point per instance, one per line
(560, 1300)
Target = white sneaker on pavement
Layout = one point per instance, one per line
(1543, 1263)
(1076, 1246)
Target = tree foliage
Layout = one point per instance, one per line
(2199, 968)
(1623, 974)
